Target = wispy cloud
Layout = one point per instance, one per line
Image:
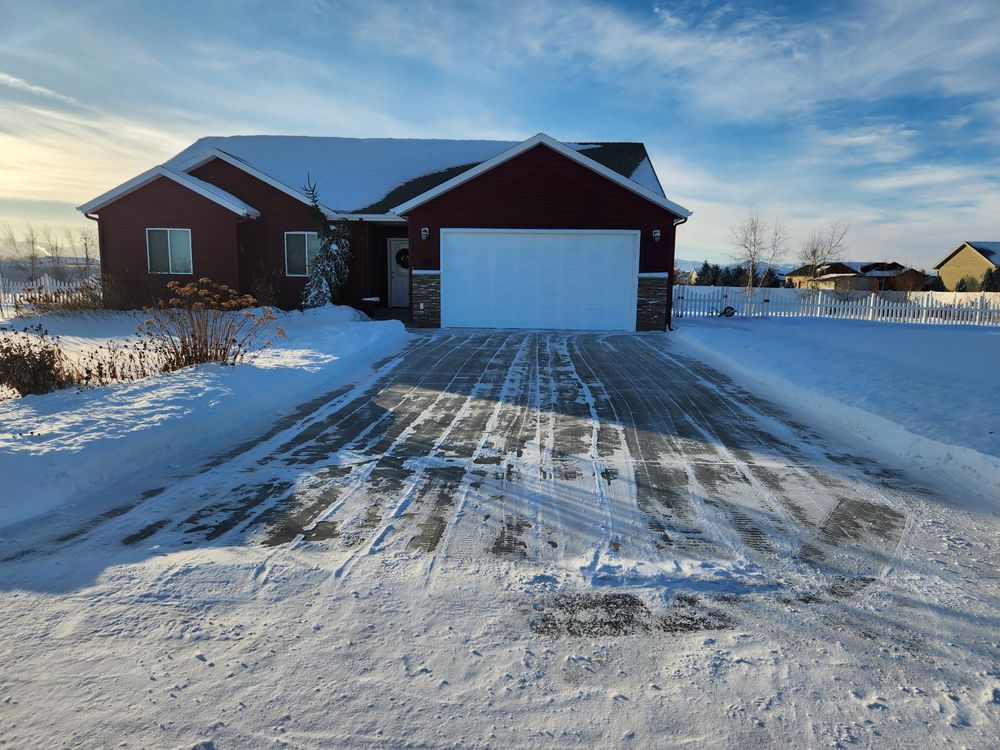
(19, 84)
(936, 176)
(871, 144)
(756, 66)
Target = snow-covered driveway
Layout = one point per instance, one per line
(513, 539)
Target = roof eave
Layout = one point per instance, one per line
(951, 255)
(157, 172)
(384, 218)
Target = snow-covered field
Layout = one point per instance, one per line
(503, 539)
(924, 393)
(61, 446)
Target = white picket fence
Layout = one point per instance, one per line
(13, 291)
(953, 308)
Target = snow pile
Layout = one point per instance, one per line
(57, 447)
(924, 393)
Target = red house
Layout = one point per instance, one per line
(537, 234)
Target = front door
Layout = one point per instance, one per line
(399, 272)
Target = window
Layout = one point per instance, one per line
(300, 251)
(169, 250)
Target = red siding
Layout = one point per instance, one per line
(542, 189)
(164, 203)
(262, 240)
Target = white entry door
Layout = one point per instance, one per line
(399, 272)
(531, 278)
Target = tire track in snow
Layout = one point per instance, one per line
(402, 419)
(376, 430)
(636, 521)
(850, 564)
(466, 489)
(660, 459)
(385, 528)
(707, 426)
(607, 497)
(267, 505)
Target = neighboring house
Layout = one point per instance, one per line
(858, 275)
(537, 234)
(968, 259)
(685, 278)
(843, 282)
(800, 277)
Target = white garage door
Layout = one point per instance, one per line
(513, 278)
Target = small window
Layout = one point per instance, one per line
(169, 250)
(301, 249)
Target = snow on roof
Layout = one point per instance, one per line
(868, 267)
(356, 175)
(989, 249)
(860, 265)
(839, 276)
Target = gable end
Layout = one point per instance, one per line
(544, 140)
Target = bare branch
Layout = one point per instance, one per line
(824, 247)
(759, 245)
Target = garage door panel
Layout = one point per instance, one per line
(537, 279)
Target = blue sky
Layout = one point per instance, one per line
(883, 113)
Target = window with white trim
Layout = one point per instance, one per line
(301, 249)
(169, 251)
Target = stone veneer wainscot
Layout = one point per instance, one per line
(426, 291)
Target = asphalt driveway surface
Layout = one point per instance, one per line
(593, 450)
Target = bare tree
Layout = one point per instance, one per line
(26, 252)
(824, 246)
(759, 245)
(53, 248)
(83, 244)
(89, 250)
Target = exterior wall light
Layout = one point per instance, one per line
(656, 235)
(424, 233)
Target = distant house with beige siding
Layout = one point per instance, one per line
(968, 259)
(852, 275)
(843, 282)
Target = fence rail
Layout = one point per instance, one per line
(946, 308)
(14, 292)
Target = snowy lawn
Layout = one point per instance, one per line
(56, 448)
(924, 393)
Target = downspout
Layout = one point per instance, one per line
(670, 276)
(100, 257)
